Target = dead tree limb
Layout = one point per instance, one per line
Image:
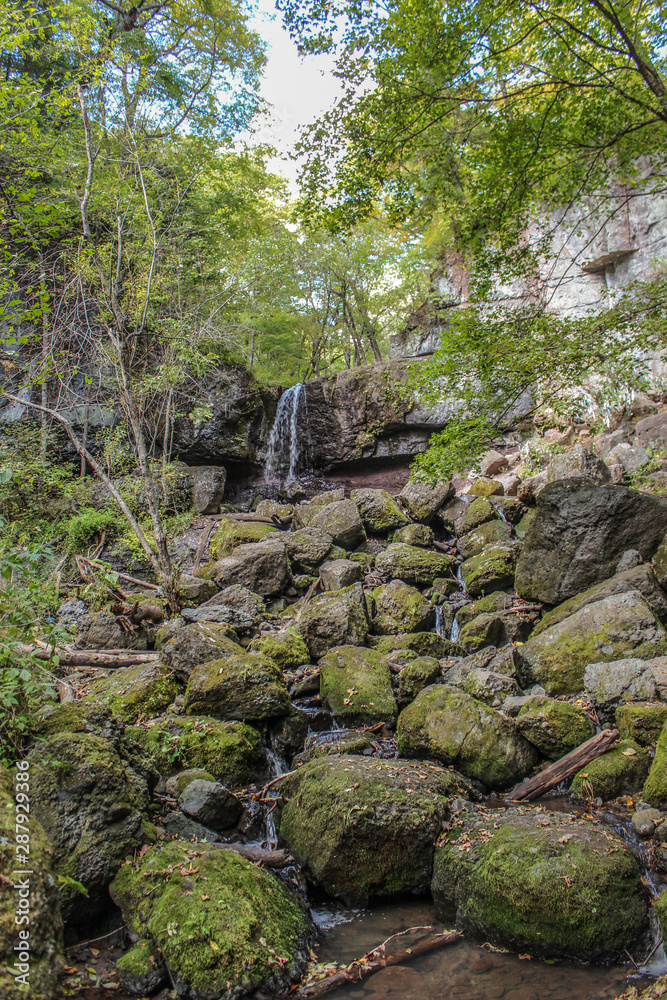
(110, 658)
(262, 855)
(564, 768)
(375, 960)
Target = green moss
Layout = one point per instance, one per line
(422, 643)
(244, 933)
(492, 569)
(287, 649)
(418, 674)
(478, 512)
(349, 744)
(232, 533)
(401, 608)
(562, 889)
(187, 777)
(363, 827)
(484, 630)
(489, 533)
(554, 727)
(655, 789)
(524, 524)
(140, 963)
(248, 686)
(641, 721)
(356, 685)
(660, 907)
(613, 773)
(142, 691)
(413, 565)
(231, 751)
(485, 487)
(499, 600)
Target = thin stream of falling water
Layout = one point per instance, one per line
(277, 766)
(456, 631)
(284, 446)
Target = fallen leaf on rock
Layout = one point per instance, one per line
(629, 752)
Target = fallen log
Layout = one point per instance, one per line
(375, 960)
(441, 547)
(564, 768)
(110, 658)
(261, 855)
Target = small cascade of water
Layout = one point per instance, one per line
(277, 766)
(440, 626)
(284, 448)
(456, 631)
(500, 512)
(459, 577)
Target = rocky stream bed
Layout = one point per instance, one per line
(325, 748)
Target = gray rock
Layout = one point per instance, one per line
(245, 686)
(341, 519)
(424, 501)
(651, 432)
(338, 618)
(211, 804)
(260, 567)
(71, 612)
(415, 534)
(242, 600)
(183, 828)
(492, 462)
(308, 547)
(220, 613)
(629, 457)
(578, 463)
(195, 589)
(102, 631)
(379, 511)
(629, 560)
(646, 820)
(530, 489)
(339, 573)
(621, 680)
(413, 564)
(489, 687)
(401, 608)
(197, 643)
(580, 532)
(488, 533)
(207, 483)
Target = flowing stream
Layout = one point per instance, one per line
(284, 448)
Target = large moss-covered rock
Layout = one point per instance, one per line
(80, 716)
(618, 626)
(641, 721)
(142, 969)
(356, 685)
(490, 687)
(231, 752)
(489, 533)
(305, 512)
(230, 534)
(453, 727)
(261, 567)
(492, 569)
(89, 802)
(422, 643)
(415, 534)
(307, 548)
(248, 687)
(337, 618)
(486, 487)
(342, 521)
(43, 928)
(225, 927)
(414, 677)
(242, 601)
(620, 771)
(580, 532)
(413, 564)
(554, 727)
(423, 501)
(401, 608)
(544, 883)
(479, 512)
(655, 789)
(379, 511)
(198, 643)
(626, 680)
(498, 600)
(363, 827)
(286, 648)
(484, 630)
(640, 580)
(144, 690)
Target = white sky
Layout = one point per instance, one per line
(299, 90)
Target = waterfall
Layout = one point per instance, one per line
(284, 445)
(439, 621)
(456, 631)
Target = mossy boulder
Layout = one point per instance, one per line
(621, 771)
(476, 513)
(423, 500)
(618, 626)
(261, 567)
(141, 691)
(241, 600)
(344, 742)
(89, 802)
(401, 608)
(342, 521)
(287, 649)
(511, 508)
(230, 534)
(655, 789)
(554, 727)
(414, 677)
(498, 600)
(547, 883)
(141, 969)
(415, 534)
(484, 630)
(245, 933)
(641, 721)
(45, 929)
(177, 784)
(249, 687)
(379, 511)
(231, 752)
(492, 569)
(522, 527)
(422, 643)
(362, 827)
(337, 618)
(198, 643)
(486, 487)
(490, 687)
(489, 533)
(307, 548)
(413, 564)
(82, 716)
(453, 727)
(356, 685)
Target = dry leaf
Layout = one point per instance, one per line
(629, 752)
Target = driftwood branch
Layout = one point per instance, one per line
(281, 777)
(375, 960)
(262, 855)
(564, 768)
(109, 658)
